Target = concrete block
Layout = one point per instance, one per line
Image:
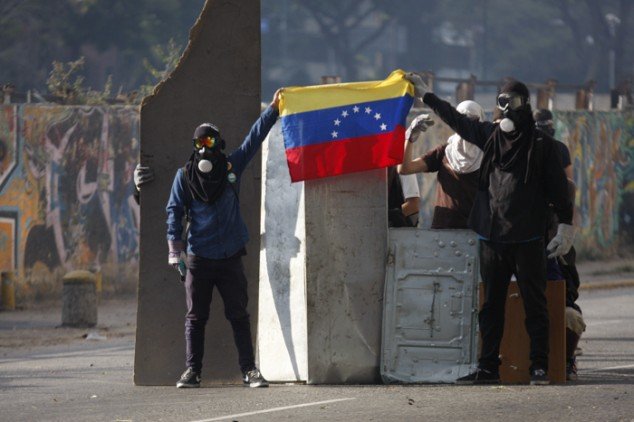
(79, 299)
(322, 273)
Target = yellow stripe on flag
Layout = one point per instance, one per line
(300, 99)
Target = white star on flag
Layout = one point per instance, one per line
(368, 110)
(377, 116)
(355, 109)
(337, 122)
(344, 113)
(383, 126)
(334, 134)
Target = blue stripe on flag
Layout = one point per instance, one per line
(350, 121)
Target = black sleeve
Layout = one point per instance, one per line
(565, 154)
(470, 130)
(556, 183)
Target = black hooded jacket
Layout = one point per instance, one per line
(512, 200)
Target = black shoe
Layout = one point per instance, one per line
(480, 377)
(254, 379)
(539, 377)
(571, 370)
(189, 379)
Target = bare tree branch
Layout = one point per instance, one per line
(577, 36)
(376, 34)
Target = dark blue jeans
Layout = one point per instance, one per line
(227, 275)
(498, 262)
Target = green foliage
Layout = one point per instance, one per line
(64, 82)
(167, 56)
(114, 36)
(67, 85)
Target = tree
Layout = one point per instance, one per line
(597, 29)
(346, 29)
(114, 36)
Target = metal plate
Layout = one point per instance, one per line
(430, 306)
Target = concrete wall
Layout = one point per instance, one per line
(217, 80)
(66, 196)
(601, 145)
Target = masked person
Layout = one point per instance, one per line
(564, 267)
(456, 162)
(520, 175)
(206, 190)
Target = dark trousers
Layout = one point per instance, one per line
(227, 275)
(498, 262)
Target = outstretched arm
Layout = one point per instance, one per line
(470, 130)
(260, 129)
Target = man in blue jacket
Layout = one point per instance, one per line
(206, 190)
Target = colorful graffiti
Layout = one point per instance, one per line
(601, 147)
(68, 202)
(66, 189)
(602, 150)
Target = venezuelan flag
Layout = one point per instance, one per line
(345, 128)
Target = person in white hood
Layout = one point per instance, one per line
(457, 163)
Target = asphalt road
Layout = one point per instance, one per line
(92, 381)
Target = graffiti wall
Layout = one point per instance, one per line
(66, 190)
(66, 195)
(601, 146)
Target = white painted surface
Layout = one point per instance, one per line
(282, 334)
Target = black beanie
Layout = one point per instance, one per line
(542, 115)
(206, 129)
(516, 87)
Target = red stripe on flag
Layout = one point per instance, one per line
(346, 155)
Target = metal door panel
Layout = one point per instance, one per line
(429, 320)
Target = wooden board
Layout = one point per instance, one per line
(515, 347)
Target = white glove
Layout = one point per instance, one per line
(562, 242)
(142, 175)
(175, 257)
(420, 87)
(419, 125)
(176, 248)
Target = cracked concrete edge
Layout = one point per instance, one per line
(194, 33)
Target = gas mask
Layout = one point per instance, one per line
(208, 145)
(513, 107)
(208, 153)
(545, 126)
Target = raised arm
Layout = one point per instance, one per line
(416, 165)
(260, 129)
(470, 130)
